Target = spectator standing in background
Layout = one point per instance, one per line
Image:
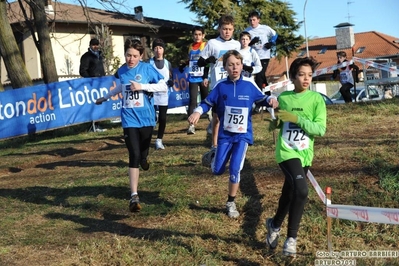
(91, 62)
(91, 66)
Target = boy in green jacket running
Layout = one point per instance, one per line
(302, 116)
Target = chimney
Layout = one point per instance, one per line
(344, 36)
(138, 13)
(49, 7)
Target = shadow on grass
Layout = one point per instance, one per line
(82, 163)
(253, 207)
(59, 196)
(69, 151)
(92, 225)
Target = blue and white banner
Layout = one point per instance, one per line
(50, 106)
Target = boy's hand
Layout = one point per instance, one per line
(170, 83)
(287, 116)
(193, 118)
(268, 45)
(273, 102)
(100, 100)
(135, 86)
(211, 60)
(181, 67)
(248, 68)
(273, 124)
(253, 41)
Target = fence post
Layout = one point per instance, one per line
(328, 200)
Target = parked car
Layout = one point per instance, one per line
(327, 99)
(361, 96)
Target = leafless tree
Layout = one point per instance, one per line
(10, 52)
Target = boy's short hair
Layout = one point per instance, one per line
(135, 44)
(229, 53)
(225, 20)
(253, 13)
(341, 53)
(245, 33)
(301, 61)
(198, 28)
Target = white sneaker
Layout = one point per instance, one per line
(191, 130)
(272, 234)
(159, 145)
(99, 129)
(232, 210)
(208, 158)
(289, 248)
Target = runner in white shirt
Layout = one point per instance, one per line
(213, 55)
(251, 61)
(263, 38)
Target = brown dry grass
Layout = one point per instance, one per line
(63, 197)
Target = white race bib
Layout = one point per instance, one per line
(294, 137)
(220, 73)
(132, 99)
(195, 70)
(236, 119)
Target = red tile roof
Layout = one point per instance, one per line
(67, 13)
(376, 45)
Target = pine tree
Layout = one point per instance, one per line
(274, 13)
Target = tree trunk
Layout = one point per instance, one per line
(44, 43)
(13, 61)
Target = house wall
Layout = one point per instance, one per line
(31, 56)
(67, 49)
(71, 41)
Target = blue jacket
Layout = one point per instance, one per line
(240, 96)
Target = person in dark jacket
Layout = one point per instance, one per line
(91, 65)
(91, 62)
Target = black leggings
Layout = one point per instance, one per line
(260, 78)
(161, 120)
(293, 196)
(193, 87)
(345, 91)
(138, 142)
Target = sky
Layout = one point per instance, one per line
(320, 15)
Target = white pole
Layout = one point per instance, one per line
(304, 25)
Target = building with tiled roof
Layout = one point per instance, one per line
(372, 45)
(72, 27)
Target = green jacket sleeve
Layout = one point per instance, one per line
(317, 126)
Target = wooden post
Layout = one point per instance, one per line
(328, 201)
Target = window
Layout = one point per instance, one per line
(323, 51)
(301, 53)
(360, 50)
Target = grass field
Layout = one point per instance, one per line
(64, 196)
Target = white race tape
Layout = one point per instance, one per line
(364, 214)
(316, 187)
(331, 68)
(277, 85)
(376, 65)
(271, 111)
(356, 59)
(355, 213)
